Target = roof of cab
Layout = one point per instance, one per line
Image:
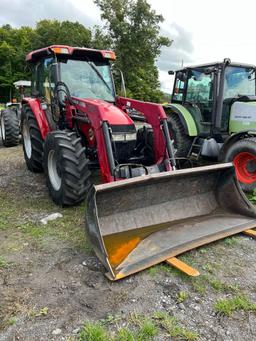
(69, 50)
(198, 66)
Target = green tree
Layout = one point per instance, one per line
(50, 32)
(134, 30)
(15, 43)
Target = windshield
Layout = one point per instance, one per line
(239, 81)
(88, 79)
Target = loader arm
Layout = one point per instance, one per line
(154, 115)
(101, 115)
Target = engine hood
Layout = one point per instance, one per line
(104, 111)
(242, 116)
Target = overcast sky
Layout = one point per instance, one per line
(202, 30)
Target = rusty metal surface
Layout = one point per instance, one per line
(136, 223)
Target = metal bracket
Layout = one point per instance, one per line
(187, 269)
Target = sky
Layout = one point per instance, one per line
(201, 30)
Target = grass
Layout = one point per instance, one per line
(231, 241)
(182, 296)
(173, 328)
(20, 216)
(136, 327)
(4, 263)
(237, 303)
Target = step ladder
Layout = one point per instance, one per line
(195, 149)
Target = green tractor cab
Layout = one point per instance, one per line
(212, 116)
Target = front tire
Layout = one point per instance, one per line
(10, 129)
(182, 142)
(32, 141)
(243, 154)
(66, 168)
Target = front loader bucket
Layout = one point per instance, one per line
(136, 223)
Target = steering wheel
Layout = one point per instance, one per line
(62, 94)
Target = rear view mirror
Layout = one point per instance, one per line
(182, 76)
(171, 72)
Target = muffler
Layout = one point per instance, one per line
(136, 223)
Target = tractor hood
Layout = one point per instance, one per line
(242, 116)
(105, 111)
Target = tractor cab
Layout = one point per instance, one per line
(86, 73)
(216, 93)
(212, 116)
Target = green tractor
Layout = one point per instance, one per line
(212, 116)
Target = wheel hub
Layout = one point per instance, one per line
(27, 139)
(2, 127)
(54, 171)
(245, 165)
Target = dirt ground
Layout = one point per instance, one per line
(51, 283)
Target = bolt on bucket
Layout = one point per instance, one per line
(136, 223)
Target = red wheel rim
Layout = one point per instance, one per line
(242, 163)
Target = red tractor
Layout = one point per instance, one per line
(74, 122)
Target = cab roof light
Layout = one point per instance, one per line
(109, 55)
(62, 50)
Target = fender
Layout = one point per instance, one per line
(39, 114)
(186, 118)
(232, 139)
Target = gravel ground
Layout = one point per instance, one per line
(51, 283)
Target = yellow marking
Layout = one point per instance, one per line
(117, 252)
(178, 264)
(251, 233)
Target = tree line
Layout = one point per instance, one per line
(131, 28)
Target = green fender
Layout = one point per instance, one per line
(185, 116)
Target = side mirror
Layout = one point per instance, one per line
(116, 71)
(171, 72)
(182, 76)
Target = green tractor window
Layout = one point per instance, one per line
(239, 81)
(199, 91)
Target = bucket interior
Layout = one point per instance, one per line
(145, 221)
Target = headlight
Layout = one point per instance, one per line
(118, 137)
(124, 136)
(131, 136)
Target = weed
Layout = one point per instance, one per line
(94, 332)
(42, 312)
(171, 325)
(4, 264)
(231, 241)
(229, 305)
(182, 296)
(147, 330)
(124, 334)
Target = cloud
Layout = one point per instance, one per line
(171, 58)
(180, 51)
(28, 12)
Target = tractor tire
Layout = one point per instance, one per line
(66, 168)
(10, 129)
(182, 142)
(32, 141)
(243, 154)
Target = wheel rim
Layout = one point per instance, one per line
(245, 165)
(2, 127)
(53, 170)
(27, 139)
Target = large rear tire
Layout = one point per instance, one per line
(243, 154)
(182, 142)
(33, 143)
(10, 129)
(66, 168)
